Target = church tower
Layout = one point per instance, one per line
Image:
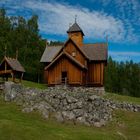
(76, 34)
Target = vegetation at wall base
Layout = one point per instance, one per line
(33, 84)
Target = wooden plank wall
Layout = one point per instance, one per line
(63, 64)
(96, 74)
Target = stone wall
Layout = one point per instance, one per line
(79, 105)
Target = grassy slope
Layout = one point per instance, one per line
(33, 85)
(17, 125)
(122, 98)
(20, 126)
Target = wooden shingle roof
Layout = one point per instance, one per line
(50, 53)
(14, 64)
(96, 52)
(75, 28)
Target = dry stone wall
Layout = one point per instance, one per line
(79, 105)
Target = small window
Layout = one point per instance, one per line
(73, 53)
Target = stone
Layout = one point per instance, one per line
(81, 120)
(11, 90)
(93, 97)
(97, 124)
(59, 117)
(68, 115)
(78, 112)
(79, 105)
(27, 109)
(45, 114)
(71, 99)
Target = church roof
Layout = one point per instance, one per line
(94, 52)
(97, 51)
(75, 28)
(50, 53)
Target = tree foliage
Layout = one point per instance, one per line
(123, 78)
(17, 33)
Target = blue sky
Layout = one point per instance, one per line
(117, 19)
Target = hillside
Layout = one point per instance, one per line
(17, 125)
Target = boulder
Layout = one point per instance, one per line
(59, 117)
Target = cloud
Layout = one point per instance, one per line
(125, 56)
(54, 18)
(128, 12)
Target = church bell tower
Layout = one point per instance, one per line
(76, 34)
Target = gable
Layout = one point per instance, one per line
(69, 57)
(72, 49)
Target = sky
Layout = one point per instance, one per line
(118, 20)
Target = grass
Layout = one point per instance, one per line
(15, 125)
(30, 84)
(122, 98)
(33, 84)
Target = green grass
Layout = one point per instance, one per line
(29, 84)
(15, 125)
(122, 98)
(33, 84)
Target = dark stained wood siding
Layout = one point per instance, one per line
(96, 73)
(64, 65)
(70, 48)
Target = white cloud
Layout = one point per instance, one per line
(125, 56)
(54, 18)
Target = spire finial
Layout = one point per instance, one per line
(75, 18)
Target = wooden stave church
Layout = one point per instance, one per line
(75, 63)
